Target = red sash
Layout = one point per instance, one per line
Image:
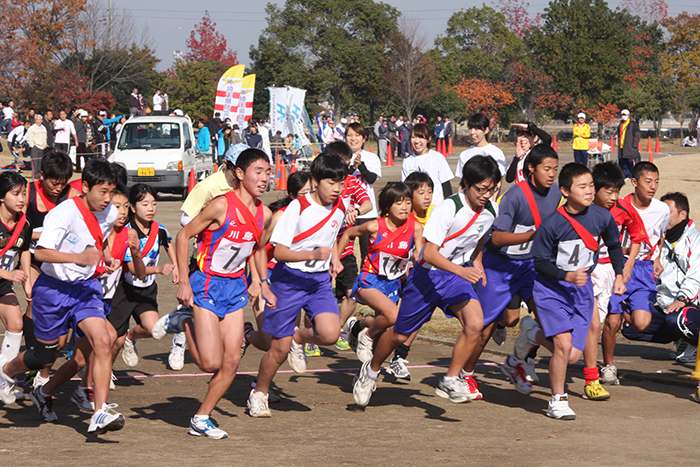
(19, 225)
(581, 231)
(232, 197)
(466, 227)
(530, 198)
(119, 246)
(305, 204)
(152, 236)
(409, 224)
(48, 204)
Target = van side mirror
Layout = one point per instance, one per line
(188, 144)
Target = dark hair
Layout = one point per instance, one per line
(295, 183)
(538, 154)
(329, 166)
(139, 191)
(420, 130)
(357, 128)
(391, 193)
(641, 167)
(416, 179)
(250, 155)
(340, 149)
(480, 168)
(97, 172)
(120, 174)
(56, 165)
(608, 175)
(678, 198)
(571, 171)
(9, 181)
(479, 121)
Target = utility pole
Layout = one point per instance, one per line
(111, 30)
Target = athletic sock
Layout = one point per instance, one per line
(533, 352)
(372, 374)
(199, 418)
(28, 328)
(446, 379)
(591, 374)
(11, 345)
(356, 328)
(402, 351)
(180, 339)
(464, 374)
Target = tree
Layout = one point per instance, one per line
(534, 93)
(63, 89)
(411, 74)
(517, 17)
(191, 86)
(648, 10)
(480, 95)
(206, 43)
(681, 59)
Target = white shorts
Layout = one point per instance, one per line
(603, 284)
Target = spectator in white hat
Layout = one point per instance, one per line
(582, 131)
(339, 133)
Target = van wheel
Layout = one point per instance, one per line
(183, 194)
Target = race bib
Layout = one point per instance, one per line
(230, 257)
(392, 267)
(573, 255)
(523, 248)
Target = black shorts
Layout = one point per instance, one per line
(131, 301)
(6, 287)
(346, 279)
(514, 302)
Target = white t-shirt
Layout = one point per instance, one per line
(66, 129)
(656, 219)
(157, 101)
(66, 231)
(519, 177)
(20, 132)
(8, 112)
(434, 164)
(488, 150)
(291, 224)
(374, 165)
(444, 222)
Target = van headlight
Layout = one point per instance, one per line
(174, 165)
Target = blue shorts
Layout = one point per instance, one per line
(427, 289)
(368, 280)
(295, 290)
(504, 279)
(564, 307)
(641, 290)
(220, 295)
(58, 305)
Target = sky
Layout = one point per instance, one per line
(170, 22)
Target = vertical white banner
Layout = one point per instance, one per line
(295, 109)
(228, 92)
(278, 110)
(245, 103)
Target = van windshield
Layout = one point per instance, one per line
(149, 136)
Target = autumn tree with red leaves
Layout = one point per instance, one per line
(206, 43)
(480, 95)
(517, 16)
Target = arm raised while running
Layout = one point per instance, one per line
(368, 228)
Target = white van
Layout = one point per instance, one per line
(159, 151)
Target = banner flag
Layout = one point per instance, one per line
(228, 92)
(245, 102)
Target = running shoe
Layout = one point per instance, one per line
(312, 350)
(500, 335)
(258, 405)
(7, 385)
(608, 375)
(689, 354)
(363, 385)
(84, 398)
(364, 346)
(244, 346)
(696, 395)
(352, 339)
(129, 353)
(112, 379)
(472, 387)
(397, 368)
(172, 322)
(296, 357)
(559, 408)
(595, 392)
(527, 338)
(530, 372)
(342, 342)
(272, 397)
(518, 376)
(39, 380)
(44, 404)
(681, 344)
(205, 427)
(106, 419)
(176, 358)
(453, 389)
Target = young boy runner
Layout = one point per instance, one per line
(566, 251)
(608, 179)
(305, 249)
(229, 230)
(641, 288)
(479, 127)
(67, 293)
(444, 278)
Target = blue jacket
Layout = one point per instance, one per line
(203, 140)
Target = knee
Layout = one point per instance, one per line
(641, 321)
(279, 350)
(328, 336)
(612, 323)
(399, 339)
(231, 362)
(211, 363)
(510, 321)
(102, 344)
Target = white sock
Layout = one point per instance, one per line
(372, 374)
(448, 378)
(11, 345)
(463, 373)
(199, 418)
(180, 339)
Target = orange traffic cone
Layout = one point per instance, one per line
(612, 143)
(555, 146)
(277, 167)
(449, 147)
(649, 144)
(651, 157)
(640, 145)
(293, 169)
(282, 181)
(216, 168)
(193, 181)
(389, 156)
(657, 150)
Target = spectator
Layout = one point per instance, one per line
(381, 132)
(252, 137)
(158, 103)
(393, 136)
(582, 131)
(629, 137)
(134, 103)
(82, 128)
(697, 127)
(339, 133)
(16, 140)
(112, 128)
(36, 140)
(100, 132)
(327, 136)
(166, 104)
(7, 114)
(214, 126)
(64, 129)
(404, 139)
(48, 124)
(203, 138)
(448, 131)
(690, 141)
(143, 105)
(224, 142)
(235, 135)
(439, 130)
(277, 143)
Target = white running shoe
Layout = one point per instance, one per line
(297, 357)
(363, 385)
(500, 335)
(171, 323)
(112, 379)
(84, 398)
(689, 354)
(454, 389)
(205, 427)
(526, 341)
(257, 405)
(44, 404)
(608, 375)
(106, 419)
(129, 353)
(176, 359)
(559, 408)
(39, 381)
(364, 346)
(518, 376)
(530, 372)
(7, 385)
(272, 397)
(397, 368)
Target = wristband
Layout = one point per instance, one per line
(265, 280)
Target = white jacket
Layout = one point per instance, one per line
(681, 263)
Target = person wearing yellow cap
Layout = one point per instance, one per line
(582, 131)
